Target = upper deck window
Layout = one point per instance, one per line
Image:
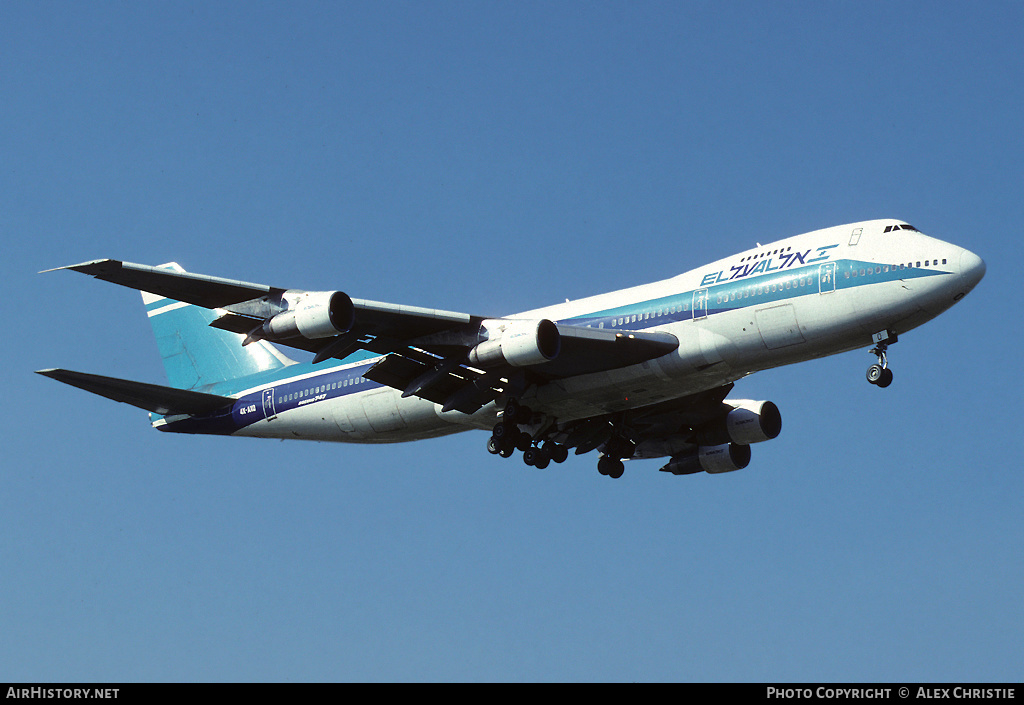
(904, 226)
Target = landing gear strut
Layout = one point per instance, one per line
(879, 374)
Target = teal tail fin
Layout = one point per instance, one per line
(197, 356)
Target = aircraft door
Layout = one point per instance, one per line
(700, 304)
(827, 278)
(268, 404)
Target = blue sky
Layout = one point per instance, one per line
(495, 157)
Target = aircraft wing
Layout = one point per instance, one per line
(427, 350)
(247, 304)
(197, 289)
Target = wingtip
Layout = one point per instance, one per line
(96, 266)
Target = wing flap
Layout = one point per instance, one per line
(407, 322)
(586, 350)
(399, 372)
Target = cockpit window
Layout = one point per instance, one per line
(904, 226)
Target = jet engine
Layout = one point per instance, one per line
(748, 422)
(312, 314)
(516, 342)
(713, 459)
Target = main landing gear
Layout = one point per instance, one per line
(540, 449)
(506, 439)
(879, 374)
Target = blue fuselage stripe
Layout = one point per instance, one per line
(282, 392)
(751, 291)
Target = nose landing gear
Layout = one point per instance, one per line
(879, 374)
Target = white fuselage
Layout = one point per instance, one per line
(797, 299)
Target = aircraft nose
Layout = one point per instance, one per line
(972, 269)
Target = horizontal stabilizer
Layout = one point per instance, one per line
(161, 400)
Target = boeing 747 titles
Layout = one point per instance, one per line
(644, 372)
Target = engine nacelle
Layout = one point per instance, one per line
(516, 342)
(748, 422)
(712, 459)
(312, 314)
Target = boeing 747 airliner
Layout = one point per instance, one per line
(639, 373)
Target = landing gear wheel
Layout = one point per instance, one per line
(875, 373)
(879, 376)
(500, 445)
(558, 453)
(515, 413)
(612, 467)
(501, 431)
(537, 457)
